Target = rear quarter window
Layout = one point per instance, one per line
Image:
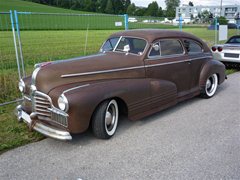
(192, 46)
(170, 47)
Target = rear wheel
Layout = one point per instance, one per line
(210, 86)
(105, 119)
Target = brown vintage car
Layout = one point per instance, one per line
(136, 73)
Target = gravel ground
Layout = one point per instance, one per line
(196, 139)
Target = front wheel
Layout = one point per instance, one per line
(105, 119)
(210, 86)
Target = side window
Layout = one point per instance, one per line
(124, 45)
(192, 46)
(109, 44)
(170, 47)
(138, 46)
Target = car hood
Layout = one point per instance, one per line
(104, 66)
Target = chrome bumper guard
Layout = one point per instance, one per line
(41, 128)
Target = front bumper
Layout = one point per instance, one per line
(41, 128)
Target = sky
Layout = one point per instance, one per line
(161, 3)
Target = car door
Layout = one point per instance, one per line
(198, 58)
(168, 66)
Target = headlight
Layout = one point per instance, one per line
(21, 86)
(63, 103)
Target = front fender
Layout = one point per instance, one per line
(83, 101)
(209, 68)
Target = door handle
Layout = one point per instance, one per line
(189, 61)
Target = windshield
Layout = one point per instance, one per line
(234, 40)
(124, 44)
(110, 44)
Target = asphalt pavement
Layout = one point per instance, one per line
(196, 139)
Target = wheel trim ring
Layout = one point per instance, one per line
(114, 121)
(210, 91)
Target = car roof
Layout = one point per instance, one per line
(152, 34)
(236, 36)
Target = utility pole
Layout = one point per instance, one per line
(221, 9)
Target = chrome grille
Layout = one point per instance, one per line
(42, 105)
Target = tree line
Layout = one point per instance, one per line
(115, 7)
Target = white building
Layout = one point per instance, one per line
(228, 11)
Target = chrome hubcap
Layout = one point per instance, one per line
(111, 117)
(208, 83)
(211, 85)
(108, 118)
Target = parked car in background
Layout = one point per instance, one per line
(132, 19)
(229, 53)
(233, 26)
(136, 73)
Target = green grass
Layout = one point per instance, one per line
(12, 133)
(69, 22)
(230, 71)
(25, 6)
(39, 46)
(63, 19)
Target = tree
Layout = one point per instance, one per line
(205, 16)
(222, 20)
(171, 7)
(131, 9)
(109, 7)
(191, 17)
(118, 7)
(90, 5)
(152, 9)
(140, 11)
(126, 3)
(160, 12)
(101, 5)
(190, 3)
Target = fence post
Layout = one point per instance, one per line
(126, 21)
(216, 30)
(15, 43)
(180, 23)
(19, 42)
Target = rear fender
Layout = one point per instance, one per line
(209, 68)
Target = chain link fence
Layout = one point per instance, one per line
(41, 37)
(54, 36)
(8, 65)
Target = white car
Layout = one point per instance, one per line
(228, 52)
(132, 19)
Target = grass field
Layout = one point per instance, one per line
(12, 133)
(6, 5)
(62, 19)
